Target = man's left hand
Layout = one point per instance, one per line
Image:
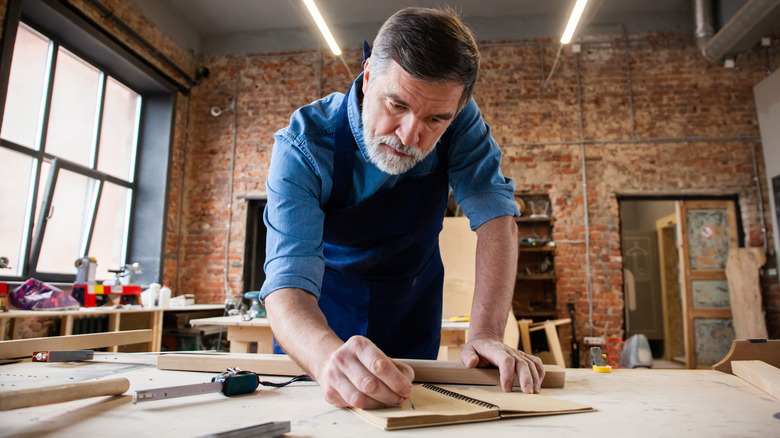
(510, 362)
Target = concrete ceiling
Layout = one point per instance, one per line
(218, 27)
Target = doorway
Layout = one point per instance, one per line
(254, 245)
(674, 274)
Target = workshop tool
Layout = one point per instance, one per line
(256, 310)
(271, 429)
(232, 382)
(85, 270)
(597, 360)
(62, 356)
(23, 398)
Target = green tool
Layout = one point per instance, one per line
(232, 382)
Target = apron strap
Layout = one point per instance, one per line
(343, 158)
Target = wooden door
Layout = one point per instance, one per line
(708, 230)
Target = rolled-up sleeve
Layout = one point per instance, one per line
(294, 220)
(478, 184)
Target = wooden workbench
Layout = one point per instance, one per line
(637, 403)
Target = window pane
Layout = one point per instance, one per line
(17, 171)
(72, 206)
(73, 107)
(26, 87)
(118, 133)
(108, 239)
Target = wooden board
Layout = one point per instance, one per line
(428, 371)
(745, 292)
(759, 374)
(25, 347)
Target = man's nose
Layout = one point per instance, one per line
(408, 130)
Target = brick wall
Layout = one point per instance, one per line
(677, 126)
(655, 117)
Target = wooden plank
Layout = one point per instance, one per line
(755, 349)
(432, 371)
(759, 374)
(24, 347)
(23, 398)
(745, 292)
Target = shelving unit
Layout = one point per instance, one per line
(534, 296)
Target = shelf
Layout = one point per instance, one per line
(536, 277)
(529, 219)
(536, 249)
(538, 314)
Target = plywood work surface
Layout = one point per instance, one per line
(679, 403)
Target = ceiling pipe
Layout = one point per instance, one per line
(714, 46)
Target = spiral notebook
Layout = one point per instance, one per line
(436, 405)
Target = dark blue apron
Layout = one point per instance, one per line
(383, 272)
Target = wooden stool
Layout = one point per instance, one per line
(550, 329)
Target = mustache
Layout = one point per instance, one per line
(396, 144)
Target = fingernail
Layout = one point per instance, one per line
(527, 388)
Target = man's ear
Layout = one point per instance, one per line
(366, 74)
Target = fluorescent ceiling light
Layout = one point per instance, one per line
(573, 20)
(315, 13)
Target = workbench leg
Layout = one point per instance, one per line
(3, 328)
(114, 322)
(157, 329)
(554, 343)
(240, 346)
(525, 335)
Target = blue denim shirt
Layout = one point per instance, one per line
(300, 180)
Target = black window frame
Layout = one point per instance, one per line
(69, 29)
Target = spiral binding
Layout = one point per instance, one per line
(465, 398)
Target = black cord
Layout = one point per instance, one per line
(301, 378)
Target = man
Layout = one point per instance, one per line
(357, 190)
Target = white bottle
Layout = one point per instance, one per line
(154, 294)
(165, 297)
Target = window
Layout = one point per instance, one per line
(84, 149)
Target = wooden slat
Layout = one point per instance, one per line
(432, 371)
(759, 374)
(25, 347)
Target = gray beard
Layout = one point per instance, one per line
(387, 161)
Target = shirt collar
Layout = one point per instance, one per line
(354, 116)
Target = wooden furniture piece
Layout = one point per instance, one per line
(636, 401)
(106, 327)
(551, 331)
(766, 350)
(535, 295)
(242, 334)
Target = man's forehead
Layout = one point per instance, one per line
(397, 84)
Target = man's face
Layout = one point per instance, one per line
(404, 117)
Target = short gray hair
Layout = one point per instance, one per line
(429, 44)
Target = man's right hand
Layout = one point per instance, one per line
(355, 373)
(358, 374)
